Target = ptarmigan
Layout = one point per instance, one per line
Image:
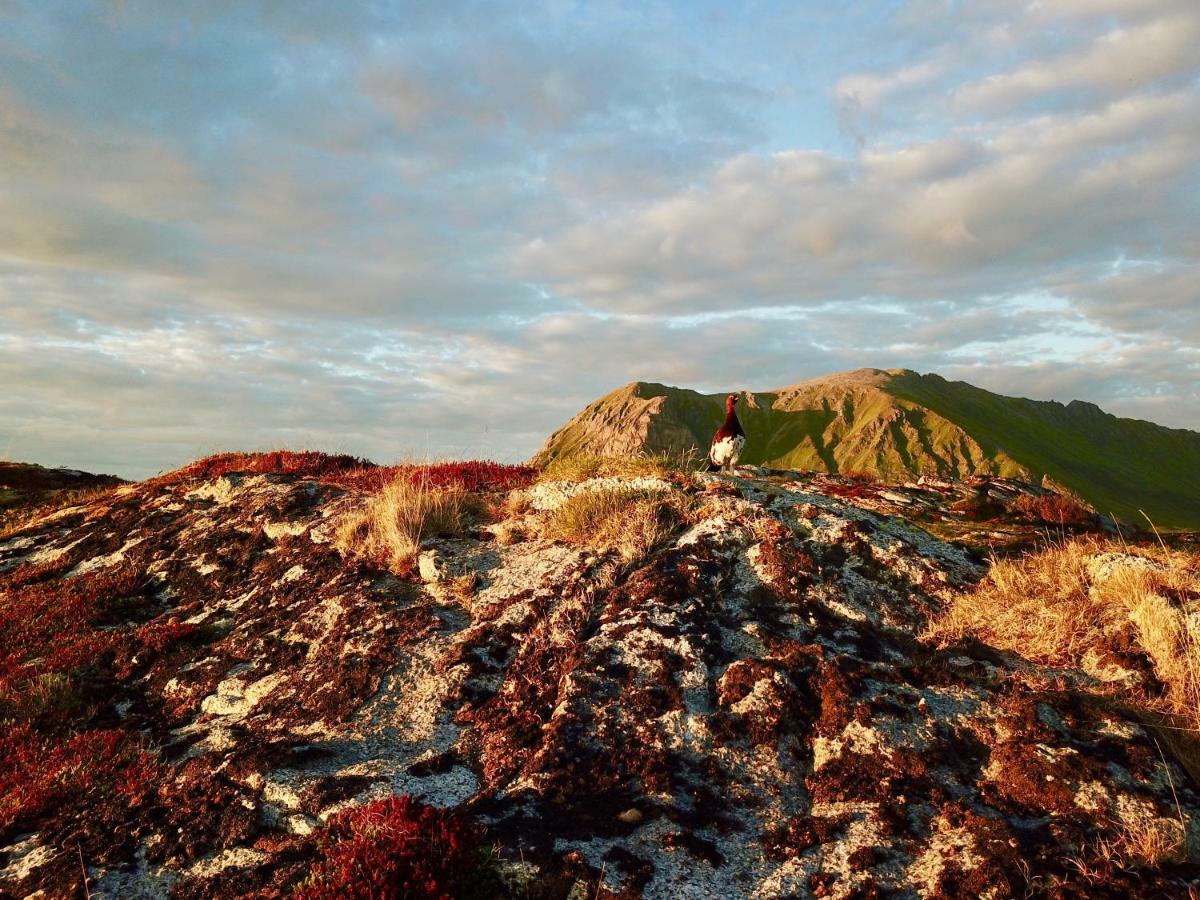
(729, 440)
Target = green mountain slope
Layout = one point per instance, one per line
(898, 423)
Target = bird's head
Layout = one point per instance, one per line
(731, 402)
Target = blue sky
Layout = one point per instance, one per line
(441, 228)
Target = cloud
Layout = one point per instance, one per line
(443, 227)
(869, 91)
(948, 218)
(1121, 60)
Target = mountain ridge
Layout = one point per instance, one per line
(898, 423)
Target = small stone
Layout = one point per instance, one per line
(430, 566)
(301, 824)
(631, 816)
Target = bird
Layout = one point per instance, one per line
(729, 440)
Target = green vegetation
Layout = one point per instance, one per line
(1117, 465)
(898, 424)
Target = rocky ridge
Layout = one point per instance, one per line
(747, 711)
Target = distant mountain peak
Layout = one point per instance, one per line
(898, 423)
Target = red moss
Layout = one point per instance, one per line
(160, 636)
(861, 477)
(399, 847)
(31, 573)
(854, 486)
(202, 807)
(308, 463)
(353, 471)
(470, 475)
(51, 626)
(38, 774)
(1051, 509)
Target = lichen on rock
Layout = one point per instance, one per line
(746, 710)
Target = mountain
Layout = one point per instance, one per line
(897, 423)
(201, 696)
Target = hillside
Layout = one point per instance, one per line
(201, 696)
(898, 423)
(28, 484)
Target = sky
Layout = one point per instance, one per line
(440, 228)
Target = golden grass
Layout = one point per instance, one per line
(627, 520)
(17, 519)
(389, 529)
(509, 532)
(1151, 841)
(1050, 608)
(463, 587)
(582, 466)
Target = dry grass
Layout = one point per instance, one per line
(51, 693)
(1039, 606)
(1052, 608)
(629, 521)
(581, 467)
(17, 519)
(463, 587)
(1151, 841)
(388, 531)
(1137, 842)
(509, 532)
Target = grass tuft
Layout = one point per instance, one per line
(627, 520)
(1150, 841)
(389, 529)
(1077, 599)
(582, 466)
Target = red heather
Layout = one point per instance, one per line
(399, 848)
(353, 471)
(470, 475)
(38, 774)
(51, 626)
(307, 463)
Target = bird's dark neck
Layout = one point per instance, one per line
(732, 424)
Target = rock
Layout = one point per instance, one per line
(431, 567)
(760, 676)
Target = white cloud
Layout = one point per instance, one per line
(868, 91)
(447, 226)
(918, 221)
(1123, 59)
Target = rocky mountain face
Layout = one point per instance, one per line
(899, 424)
(196, 687)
